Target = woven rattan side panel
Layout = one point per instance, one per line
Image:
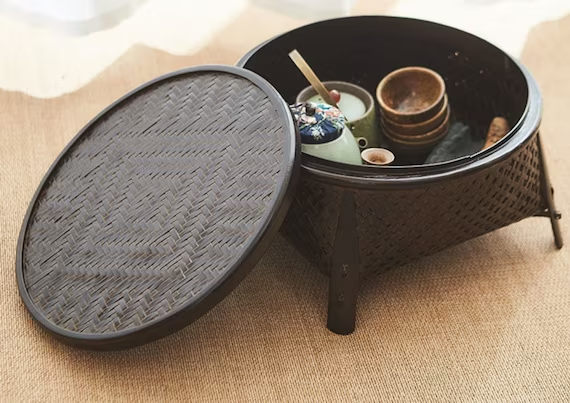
(312, 221)
(153, 203)
(397, 227)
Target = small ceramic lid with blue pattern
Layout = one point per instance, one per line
(318, 123)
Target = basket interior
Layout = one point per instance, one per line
(482, 82)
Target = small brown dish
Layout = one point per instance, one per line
(416, 129)
(411, 95)
(377, 156)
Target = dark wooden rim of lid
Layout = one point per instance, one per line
(253, 251)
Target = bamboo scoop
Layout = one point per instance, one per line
(312, 77)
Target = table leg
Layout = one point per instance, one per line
(345, 271)
(548, 193)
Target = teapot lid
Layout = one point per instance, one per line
(318, 123)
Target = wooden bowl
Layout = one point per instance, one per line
(437, 132)
(411, 95)
(404, 151)
(415, 129)
(432, 137)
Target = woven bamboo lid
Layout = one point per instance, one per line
(158, 208)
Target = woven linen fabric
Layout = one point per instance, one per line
(487, 320)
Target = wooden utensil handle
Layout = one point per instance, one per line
(497, 130)
(312, 77)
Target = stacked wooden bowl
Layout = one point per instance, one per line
(414, 109)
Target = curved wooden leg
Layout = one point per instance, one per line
(345, 271)
(548, 193)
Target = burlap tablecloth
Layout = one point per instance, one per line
(488, 320)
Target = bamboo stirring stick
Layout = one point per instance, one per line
(312, 77)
